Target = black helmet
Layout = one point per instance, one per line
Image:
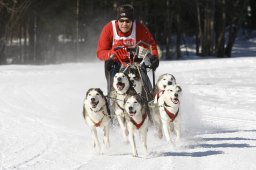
(125, 11)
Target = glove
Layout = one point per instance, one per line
(154, 62)
(120, 53)
(112, 55)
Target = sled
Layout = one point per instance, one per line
(138, 58)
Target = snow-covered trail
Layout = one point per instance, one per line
(41, 124)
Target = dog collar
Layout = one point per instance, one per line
(138, 125)
(98, 110)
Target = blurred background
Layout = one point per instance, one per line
(60, 31)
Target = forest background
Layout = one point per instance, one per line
(59, 31)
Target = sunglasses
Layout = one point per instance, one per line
(125, 20)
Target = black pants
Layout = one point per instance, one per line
(111, 68)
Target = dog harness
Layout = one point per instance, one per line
(120, 107)
(120, 100)
(138, 125)
(171, 115)
(97, 124)
(157, 96)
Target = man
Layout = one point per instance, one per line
(126, 32)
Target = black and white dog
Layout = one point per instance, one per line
(96, 114)
(169, 106)
(137, 120)
(163, 81)
(122, 87)
(135, 78)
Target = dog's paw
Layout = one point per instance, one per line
(125, 140)
(168, 140)
(93, 144)
(135, 154)
(99, 152)
(106, 144)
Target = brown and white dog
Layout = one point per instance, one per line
(169, 105)
(163, 81)
(137, 120)
(122, 87)
(96, 114)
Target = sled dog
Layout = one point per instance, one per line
(122, 87)
(96, 114)
(163, 81)
(135, 78)
(137, 120)
(168, 104)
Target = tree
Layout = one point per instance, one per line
(3, 21)
(237, 17)
(220, 26)
(63, 30)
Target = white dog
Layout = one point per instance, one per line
(122, 87)
(137, 119)
(168, 104)
(96, 114)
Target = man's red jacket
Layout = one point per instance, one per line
(106, 39)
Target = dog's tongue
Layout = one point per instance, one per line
(175, 100)
(120, 86)
(94, 104)
(132, 113)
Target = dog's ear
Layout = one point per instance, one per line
(139, 98)
(126, 98)
(125, 74)
(179, 89)
(88, 91)
(135, 72)
(84, 112)
(129, 80)
(160, 77)
(131, 91)
(99, 91)
(173, 78)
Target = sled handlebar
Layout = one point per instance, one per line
(138, 54)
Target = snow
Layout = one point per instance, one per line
(41, 123)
